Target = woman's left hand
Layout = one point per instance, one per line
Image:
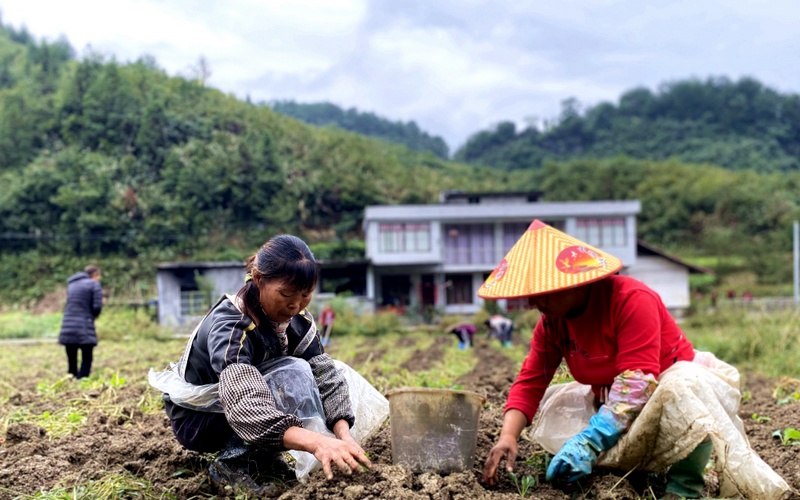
(346, 454)
(342, 451)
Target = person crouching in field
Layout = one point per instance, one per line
(262, 351)
(464, 332)
(643, 398)
(501, 328)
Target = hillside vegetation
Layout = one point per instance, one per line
(365, 123)
(123, 163)
(741, 125)
(126, 166)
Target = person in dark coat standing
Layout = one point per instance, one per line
(84, 303)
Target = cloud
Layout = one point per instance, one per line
(453, 66)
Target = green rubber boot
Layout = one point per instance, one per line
(685, 478)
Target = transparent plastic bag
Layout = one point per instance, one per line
(292, 383)
(294, 387)
(182, 393)
(563, 412)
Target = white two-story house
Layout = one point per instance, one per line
(438, 255)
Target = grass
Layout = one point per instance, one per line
(756, 340)
(392, 351)
(113, 323)
(111, 486)
(19, 325)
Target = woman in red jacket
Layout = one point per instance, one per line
(615, 335)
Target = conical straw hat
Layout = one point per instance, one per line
(546, 260)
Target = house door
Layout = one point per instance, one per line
(427, 295)
(395, 290)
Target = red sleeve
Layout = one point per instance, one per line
(536, 372)
(638, 329)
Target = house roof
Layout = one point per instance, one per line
(476, 197)
(324, 263)
(646, 249)
(506, 211)
(200, 265)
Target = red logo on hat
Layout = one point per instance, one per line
(577, 259)
(497, 274)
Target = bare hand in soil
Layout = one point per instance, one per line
(506, 448)
(347, 455)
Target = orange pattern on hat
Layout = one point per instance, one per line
(545, 260)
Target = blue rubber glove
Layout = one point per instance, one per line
(578, 455)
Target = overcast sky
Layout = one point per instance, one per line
(454, 66)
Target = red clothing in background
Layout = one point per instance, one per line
(327, 316)
(625, 327)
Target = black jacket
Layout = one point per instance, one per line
(84, 303)
(226, 337)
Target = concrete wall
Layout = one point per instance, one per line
(668, 279)
(226, 280)
(169, 299)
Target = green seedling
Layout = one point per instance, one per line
(788, 436)
(538, 460)
(787, 391)
(524, 484)
(759, 418)
(55, 388)
(791, 398)
(747, 396)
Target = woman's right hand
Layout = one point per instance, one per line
(505, 448)
(346, 455)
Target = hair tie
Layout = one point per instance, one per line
(248, 277)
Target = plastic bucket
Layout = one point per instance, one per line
(434, 430)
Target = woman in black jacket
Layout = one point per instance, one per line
(84, 303)
(239, 346)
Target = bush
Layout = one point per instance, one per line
(367, 324)
(19, 325)
(125, 324)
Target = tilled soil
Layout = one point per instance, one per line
(141, 445)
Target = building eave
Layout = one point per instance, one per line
(643, 249)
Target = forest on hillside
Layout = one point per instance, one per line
(365, 123)
(739, 125)
(129, 166)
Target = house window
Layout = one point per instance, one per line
(459, 288)
(602, 232)
(194, 302)
(405, 237)
(469, 244)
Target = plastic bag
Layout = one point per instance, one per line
(295, 391)
(694, 401)
(182, 393)
(564, 411)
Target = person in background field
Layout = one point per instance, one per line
(500, 328)
(648, 400)
(243, 344)
(465, 332)
(85, 301)
(326, 319)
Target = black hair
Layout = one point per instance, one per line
(283, 258)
